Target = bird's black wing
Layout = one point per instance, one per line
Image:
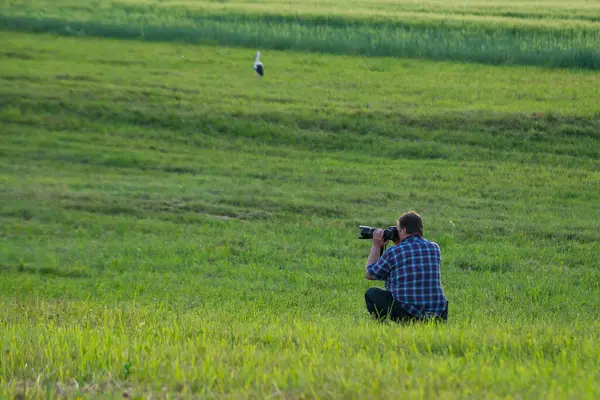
(260, 70)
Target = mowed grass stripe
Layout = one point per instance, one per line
(423, 111)
(579, 15)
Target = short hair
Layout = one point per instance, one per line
(412, 222)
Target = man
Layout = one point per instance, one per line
(411, 271)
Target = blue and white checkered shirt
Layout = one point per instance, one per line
(411, 271)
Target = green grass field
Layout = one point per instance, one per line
(172, 226)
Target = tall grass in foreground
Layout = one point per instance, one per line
(573, 47)
(86, 349)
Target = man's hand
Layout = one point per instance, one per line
(378, 241)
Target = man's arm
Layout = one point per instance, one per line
(373, 257)
(377, 244)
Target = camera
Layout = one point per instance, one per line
(391, 233)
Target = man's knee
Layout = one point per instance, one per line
(372, 296)
(372, 293)
(370, 300)
(378, 301)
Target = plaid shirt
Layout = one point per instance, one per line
(411, 271)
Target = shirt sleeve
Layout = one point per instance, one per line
(380, 269)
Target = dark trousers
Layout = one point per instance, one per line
(381, 305)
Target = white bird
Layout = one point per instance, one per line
(258, 66)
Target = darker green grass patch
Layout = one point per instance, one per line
(18, 78)
(17, 55)
(73, 273)
(482, 265)
(75, 77)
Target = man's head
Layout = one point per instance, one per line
(409, 224)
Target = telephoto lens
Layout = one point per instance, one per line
(366, 232)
